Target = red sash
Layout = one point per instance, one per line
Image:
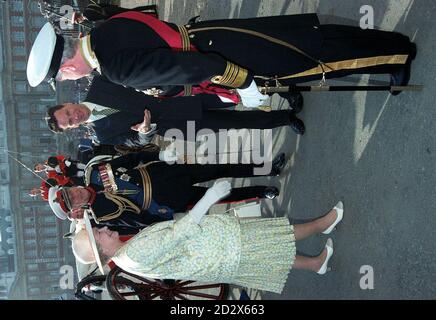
(174, 41)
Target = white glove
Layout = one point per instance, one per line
(170, 155)
(218, 191)
(251, 97)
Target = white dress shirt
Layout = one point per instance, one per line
(93, 106)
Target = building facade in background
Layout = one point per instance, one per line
(32, 248)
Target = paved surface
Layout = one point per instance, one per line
(375, 152)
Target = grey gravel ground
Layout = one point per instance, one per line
(375, 152)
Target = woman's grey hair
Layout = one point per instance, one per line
(103, 257)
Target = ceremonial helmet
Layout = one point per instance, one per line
(59, 202)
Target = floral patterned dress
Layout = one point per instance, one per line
(256, 253)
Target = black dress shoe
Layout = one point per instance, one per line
(413, 51)
(295, 100)
(278, 164)
(296, 124)
(193, 20)
(402, 76)
(270, 193)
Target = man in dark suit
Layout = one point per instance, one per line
(133, 107)
(122, 193)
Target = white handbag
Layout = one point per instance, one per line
(249, 210)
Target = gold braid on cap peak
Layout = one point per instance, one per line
(234, 76)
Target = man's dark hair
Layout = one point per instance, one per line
(52, 122)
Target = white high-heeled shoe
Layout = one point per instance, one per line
(339, 207)
(329, 247)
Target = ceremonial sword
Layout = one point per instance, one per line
(325, 88)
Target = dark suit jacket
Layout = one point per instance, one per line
(166, 113)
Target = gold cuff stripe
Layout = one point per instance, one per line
(146, 183)
(351, 64)
(186, 42)
(234, 76)
(187, 90)
(228, 73)
(240, 78)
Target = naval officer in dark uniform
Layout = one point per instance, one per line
(139, 51)
(119, 193)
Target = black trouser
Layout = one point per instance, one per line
(237, 194)
(230, 119)
(198, 173)
(215, 116)
(347, 43)
(173, 185)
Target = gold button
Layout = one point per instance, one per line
(192, 36)
(217, 79)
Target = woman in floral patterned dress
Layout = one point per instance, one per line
(257, 252)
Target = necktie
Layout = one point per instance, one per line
(104, 112)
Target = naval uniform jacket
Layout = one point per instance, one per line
(132, 54)
(126, 211)
(233, 52)
(166, 188)
(166, 113)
